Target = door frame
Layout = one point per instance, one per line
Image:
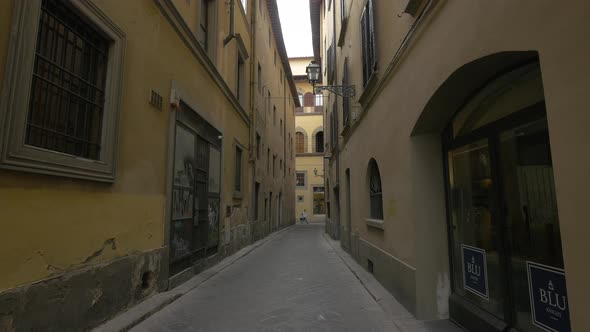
(469, 313)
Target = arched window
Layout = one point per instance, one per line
(319, 141)
(375, 191)
(308, 99)
(299, 142)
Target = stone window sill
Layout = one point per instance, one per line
(375, 223)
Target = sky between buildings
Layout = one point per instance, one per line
(296, 26)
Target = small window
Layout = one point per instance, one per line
(203, 33)
(238, 171)
(319, 141)
(274, 115)
(375, 191)
(240, 80)
(299, 198)
(258, 143)
(256, 199)
(274, 166)
(259, 79)
(300, 179)
(368, 42)
(281, 127)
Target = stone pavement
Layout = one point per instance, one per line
(298, 280)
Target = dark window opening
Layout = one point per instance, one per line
(68, 87)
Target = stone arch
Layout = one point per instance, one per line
(464, 83)
(460, 86)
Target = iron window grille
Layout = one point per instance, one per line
(68, 88)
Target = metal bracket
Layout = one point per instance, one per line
(346, 91)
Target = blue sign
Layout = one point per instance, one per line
(475, 272)
(548, 294)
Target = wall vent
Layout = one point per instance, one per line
(156, 99)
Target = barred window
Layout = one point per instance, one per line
(64, 69)
(375, 191)
(67, 92)
(368, 42)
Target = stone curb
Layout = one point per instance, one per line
(140, 312)
(399, 315)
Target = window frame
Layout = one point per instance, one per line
(14, 108)
(304, 186)
(367, 34)
(238, 171)
(373, 195)
(241, 78)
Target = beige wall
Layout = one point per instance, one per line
(411, 165)
(298, 65)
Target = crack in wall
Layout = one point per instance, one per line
(110, 242)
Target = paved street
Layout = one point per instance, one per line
(294, 282)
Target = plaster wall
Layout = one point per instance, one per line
(411, 166)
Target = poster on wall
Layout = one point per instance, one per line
(475, 272)
(548, 295)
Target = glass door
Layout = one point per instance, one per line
(533, 229)
(477, 250)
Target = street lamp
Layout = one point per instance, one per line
(313, 76)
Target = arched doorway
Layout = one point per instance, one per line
(505, 250)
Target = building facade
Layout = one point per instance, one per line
(131, 139)
(456, 173)
(309, 146)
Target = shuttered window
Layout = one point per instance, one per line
(299, 142)
(368, 42)
(345, 101)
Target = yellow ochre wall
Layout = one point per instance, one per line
(51, 225)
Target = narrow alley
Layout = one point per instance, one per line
(294, 165)
(295, 281)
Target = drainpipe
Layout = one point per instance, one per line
(231, 34)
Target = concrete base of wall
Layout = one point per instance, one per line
(398, 278)
(83, 298)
